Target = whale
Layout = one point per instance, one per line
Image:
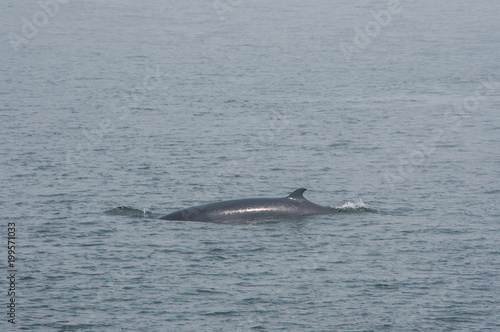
(252, 209)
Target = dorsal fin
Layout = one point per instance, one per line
(297, 194)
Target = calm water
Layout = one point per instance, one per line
(115, 113)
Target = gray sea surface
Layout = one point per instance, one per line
(114, 113)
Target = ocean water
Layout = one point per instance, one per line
(114, 113)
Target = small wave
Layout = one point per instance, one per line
(130, 212)
(356, 206)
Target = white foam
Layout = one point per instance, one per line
(356, 205)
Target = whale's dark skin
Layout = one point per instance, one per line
(249, 209)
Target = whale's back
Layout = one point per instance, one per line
(293, 206)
